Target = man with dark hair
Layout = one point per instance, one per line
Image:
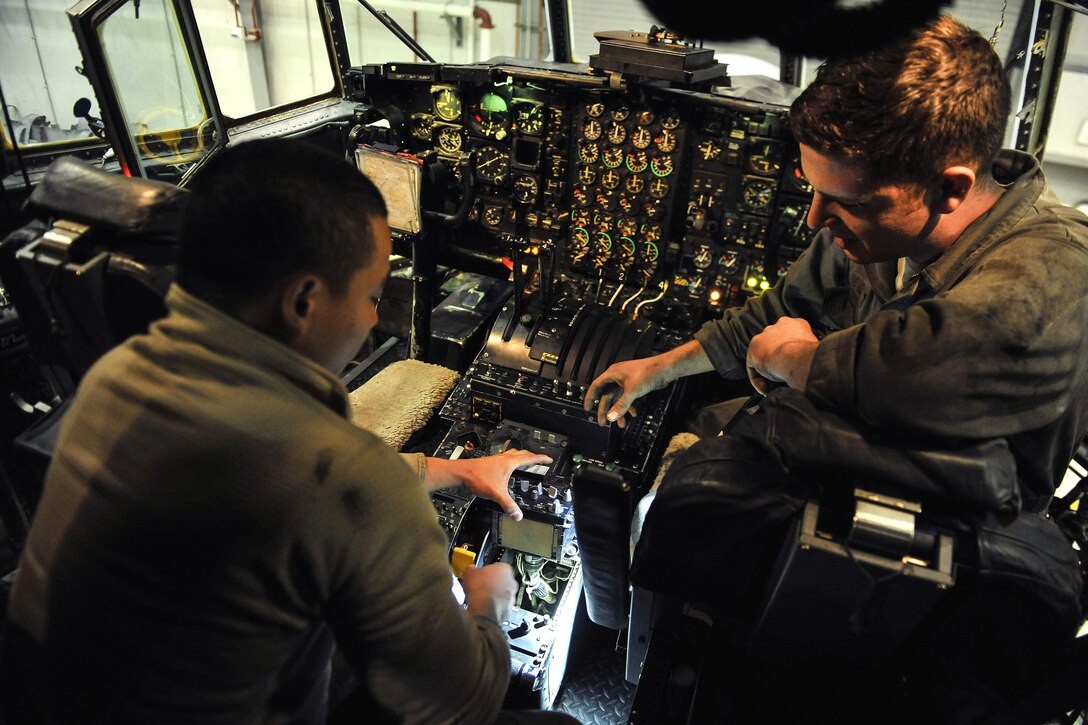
(944, 293)
(942, 303)
(212, 523)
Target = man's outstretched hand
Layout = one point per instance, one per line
(487, 476)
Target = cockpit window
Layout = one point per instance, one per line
(454, 32)
(264, 54)
(47, 103)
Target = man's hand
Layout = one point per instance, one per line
(490, 590)
(782, 353)
(621, 385)
(487, 476)
(618, 387)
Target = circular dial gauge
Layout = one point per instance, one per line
(661, 165)
(620, 112)
(626, 226)
(641, 138)
(666, 141)
(592, 129)
(671, 120)
(422, 124)
(628, 203)
(765, 157)
(610, 179)
(447, 104)
(493, 216)
(637, 161)
(612, 157)
(581, 196)
(529, 118)
(635, 184)
(758, 193)
(526, 188)
(603, 222)
(449, 139)
(644, 117)
(492, 163)
(587, 175)
(588, 152)
(617, 134)
(659, 188)
(595, 109)
(709, 150)
(491, 116)
(579, 217)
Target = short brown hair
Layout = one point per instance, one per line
(908, 111)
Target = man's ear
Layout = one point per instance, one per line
(297, 303)
(954, 184)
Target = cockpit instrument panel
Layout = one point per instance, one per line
(680, 203)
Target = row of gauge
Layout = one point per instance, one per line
(599, 171)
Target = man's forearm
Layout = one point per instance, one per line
(687, 359)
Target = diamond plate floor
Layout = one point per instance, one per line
(595, 690)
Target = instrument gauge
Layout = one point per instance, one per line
(492, 163)
(661, 165)
(641, 138)
(612, 157)
(422, 124)
(607, 199)
(447, 104)
(637, 161)
(449, 139)
(491, 116)
(587, 175)
(603, 222)
(579, 217)
(670, 121)
(644, 117)
(595, 109)
(620, 112)
(649, 252)
(709, 149)
(625, 249)
(666, 141)
(758, 194)
(626, 226)
(650, 233)
(653, 208)
(611, 179)
(765, 157)
(617, 134)
(659, 188)
(493, 215)
(529, 117)
(592, 129)
(588, 152)
(526, 188)
(581, 196)
(635, 184)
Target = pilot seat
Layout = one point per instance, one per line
(802, 569)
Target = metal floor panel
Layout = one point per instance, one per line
(595, 691)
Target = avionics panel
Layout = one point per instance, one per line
(676, 202)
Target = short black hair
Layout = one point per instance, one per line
(908, 111)
(263, 210)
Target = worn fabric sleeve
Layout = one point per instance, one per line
(991, 356)
(814, 289)
(392, 609)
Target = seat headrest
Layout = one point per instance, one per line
(73, 189)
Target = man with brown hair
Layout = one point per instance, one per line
(942, 302)
(944, 293)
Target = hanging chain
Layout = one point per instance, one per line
(1000, 23)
